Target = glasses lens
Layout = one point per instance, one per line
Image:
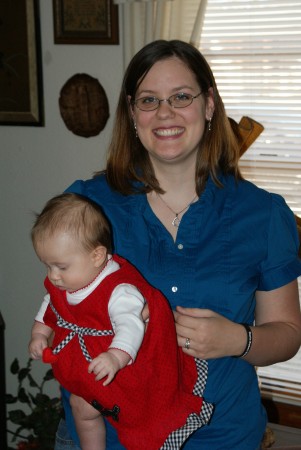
(181, 100)
(147, 103)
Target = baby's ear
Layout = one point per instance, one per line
(99, 255)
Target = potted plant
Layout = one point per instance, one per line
(41, 415)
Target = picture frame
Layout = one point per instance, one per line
(21, 86)
(85, 22)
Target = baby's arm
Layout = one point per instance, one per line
(125, 309)
(40, 335)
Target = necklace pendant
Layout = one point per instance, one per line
(176, 221)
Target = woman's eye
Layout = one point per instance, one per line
(182, 97)
(149, 100)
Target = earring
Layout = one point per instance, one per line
(135, 126)
(209, 124)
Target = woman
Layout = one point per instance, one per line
(222, 251)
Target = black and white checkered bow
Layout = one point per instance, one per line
(80, 332)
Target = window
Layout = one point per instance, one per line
(254, 50)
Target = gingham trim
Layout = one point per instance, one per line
(202, 370)
(80, 332)
(194, 421)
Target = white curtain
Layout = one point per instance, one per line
(143, 21)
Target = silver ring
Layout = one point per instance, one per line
(187, 344)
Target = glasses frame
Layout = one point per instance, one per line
(165, 100)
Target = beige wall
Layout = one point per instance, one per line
(37, 163)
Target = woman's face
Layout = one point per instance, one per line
(171, 135)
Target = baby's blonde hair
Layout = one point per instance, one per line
(74, 214)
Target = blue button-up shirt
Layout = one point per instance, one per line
(231, 242)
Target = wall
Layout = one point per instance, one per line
(37, 163)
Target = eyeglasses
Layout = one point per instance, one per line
(151, 103)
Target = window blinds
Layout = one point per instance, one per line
(254, 50)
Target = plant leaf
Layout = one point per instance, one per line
(14, 368)
(41, 399)
(23, 374)
(49, 375)
(9, 398)
(16, 416)
(32, 382)
(22, 396)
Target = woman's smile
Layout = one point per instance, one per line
(168, 132)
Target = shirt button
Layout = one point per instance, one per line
(180, 246)
(174, 289)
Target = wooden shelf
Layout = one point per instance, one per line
(283, 413)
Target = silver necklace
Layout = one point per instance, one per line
(176, 221)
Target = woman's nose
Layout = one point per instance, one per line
(165, 108)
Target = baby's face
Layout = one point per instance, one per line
(69, 266)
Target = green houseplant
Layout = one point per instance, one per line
(42, 413)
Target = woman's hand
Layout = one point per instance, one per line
(276, 336)
(210, 334)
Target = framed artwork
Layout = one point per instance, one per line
(20, 64)
(85, 22)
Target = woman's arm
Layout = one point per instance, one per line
(276, 334)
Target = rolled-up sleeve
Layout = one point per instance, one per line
(281, 264)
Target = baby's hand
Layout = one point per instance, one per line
(105, 364)
(108, 364)
(36, 346)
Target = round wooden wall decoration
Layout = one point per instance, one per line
(84, 105)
